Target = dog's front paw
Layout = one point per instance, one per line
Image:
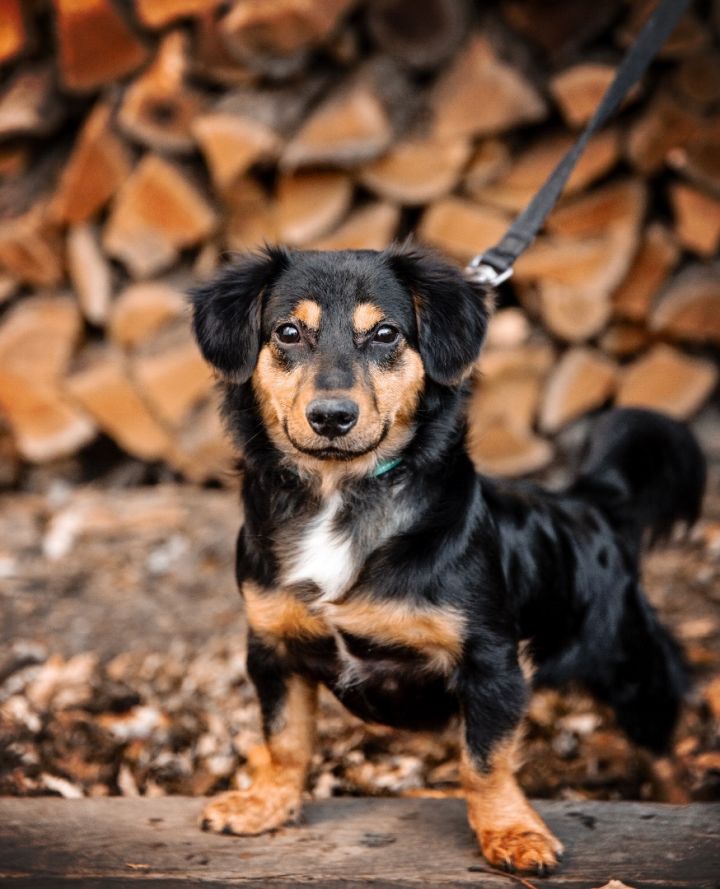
(247, 812)
(521, 847)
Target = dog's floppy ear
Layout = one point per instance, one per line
(452, 313)
(227, 312)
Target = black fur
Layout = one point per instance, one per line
(558, 570)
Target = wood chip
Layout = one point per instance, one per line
(666, 380)
(584, 379)
(689, 309)
(96, 44)
(158, 212)
(481, 94)
(309, 205)
(418, 170)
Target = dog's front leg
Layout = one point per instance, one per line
(288, 703)
(510, 832)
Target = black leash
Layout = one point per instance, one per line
(494, 266)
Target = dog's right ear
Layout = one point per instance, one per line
(227, 312)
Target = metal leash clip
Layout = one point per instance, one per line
(486, 275)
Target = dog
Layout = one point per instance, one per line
(375, 560)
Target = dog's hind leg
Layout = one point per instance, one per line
(288, 704)
(510, 832)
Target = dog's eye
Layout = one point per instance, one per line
(288, 333)
(386, 334)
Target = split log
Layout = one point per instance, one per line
(560, 28)
(689, 309)
(210, 59)
(201, 448)
(102, 387)
(13, 30)
(274, 37)
(510, 399)
(309, 205)
(579, 90)
(371, 227)
(657, 255)
(623, 338)
(502, 449)
(481, 94)
(665, 126)
(697, 80)
(532, 357)
(697, 219)
(489, 163)
(416, 171)
(31, 246)
(232, 143)
(157, 213)
(96, 45)
(698, 157)
(349, 127)
(507, 329)
(159, 13)
(668, 381)
(172, 376)
(583, 380)
(44, 424)
(251, 218)
(142, 310)
(687, 38)
(571, 314)
(420, 33)
(98, 166)
(462, 228)
(8, 288)
(38, 337)
(29, 104)
(619, 207)
(520, 179)
(90, 272)
(158, 109)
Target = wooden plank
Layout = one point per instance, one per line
(53, 843)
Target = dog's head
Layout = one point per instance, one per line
(339, 346)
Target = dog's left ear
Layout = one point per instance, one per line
(227, 312)
(452, 313)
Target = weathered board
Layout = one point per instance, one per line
(50, 843)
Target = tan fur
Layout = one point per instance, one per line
(279, 771)
(436, 633)
(280, 614)
(365, 317)
(310, 313)
(509, 830)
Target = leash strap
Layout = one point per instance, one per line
(494, 266)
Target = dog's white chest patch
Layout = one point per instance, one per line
(324, 554)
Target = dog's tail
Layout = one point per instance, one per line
(647, 471)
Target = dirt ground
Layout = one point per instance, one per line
(122, 665)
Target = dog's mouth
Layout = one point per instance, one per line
(333, 452)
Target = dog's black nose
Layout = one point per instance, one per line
(332, 417)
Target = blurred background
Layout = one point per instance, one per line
(141, 143)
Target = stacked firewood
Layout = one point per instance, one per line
(142, 140)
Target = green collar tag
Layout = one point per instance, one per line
(386, 466)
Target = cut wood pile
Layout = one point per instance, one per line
(140, 141)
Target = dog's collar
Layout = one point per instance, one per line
(386, 466)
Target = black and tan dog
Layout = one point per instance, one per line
(374, 559)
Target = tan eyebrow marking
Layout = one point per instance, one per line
(309, 312)
(366, 316)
